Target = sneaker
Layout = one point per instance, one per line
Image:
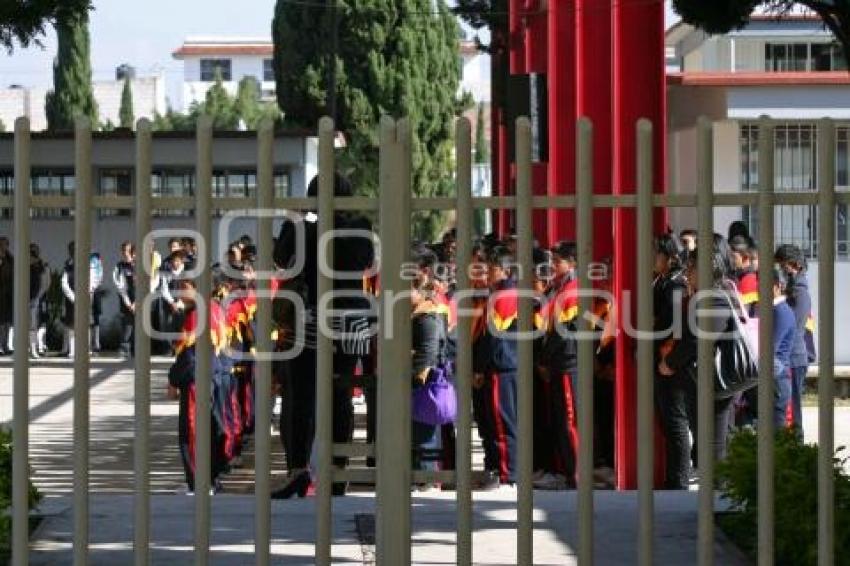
(551, 482)
(488, 482)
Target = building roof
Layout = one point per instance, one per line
(224, 46)
(747, 79)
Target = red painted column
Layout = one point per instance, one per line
(561, 59)
(638, 92)
(594, 101)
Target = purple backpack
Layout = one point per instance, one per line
(434, 402)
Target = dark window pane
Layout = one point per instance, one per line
(210, 66)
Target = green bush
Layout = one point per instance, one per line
(795, 500)
(6, 488)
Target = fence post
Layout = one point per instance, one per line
(645, 345)
(263, 364)
(393, 448)
(525, 392)
(826, 344)
(584, 245)
(463, 377)
(20, 416)
(142, 347)
(324, 356)
(82, 311)
(203, 342)
(765, 311)
(705, 346)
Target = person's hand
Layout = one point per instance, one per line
(173, 392)
(543, 372)
(477, 380)
(132, 308)
(421, 377)
(665, 370)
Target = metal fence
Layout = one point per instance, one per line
(393, 475)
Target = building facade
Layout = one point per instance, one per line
(789, 69)
(149, 98)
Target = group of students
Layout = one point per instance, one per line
(735, 287)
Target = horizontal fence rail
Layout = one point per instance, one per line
(393, 475)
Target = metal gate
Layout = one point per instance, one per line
(394, 207)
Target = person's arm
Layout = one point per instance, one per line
(802, 306)
(43, 284)
(425, 345)
(120, 281)
(66, 287)
(164, 288)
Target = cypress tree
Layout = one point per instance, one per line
(482, 149)
(72, 89)
(396, 57)
(220, 106)
(125, 113)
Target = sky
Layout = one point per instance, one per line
(144, 34)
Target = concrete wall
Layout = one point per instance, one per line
(790, 102)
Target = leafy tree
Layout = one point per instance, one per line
(125, 112)
(248, 106)
(24, 21)
(2, 126)
(722, 16)
(72, 90)
(399, 58)
(220, 106)
(482, 150)
(107, 126)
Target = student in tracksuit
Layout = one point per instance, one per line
(747, 281)
(495, 367)
(560, 360)
(791, 259)
(124, 277)
(784, 333)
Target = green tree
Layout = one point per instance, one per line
(72, 90)
(722, 16)
(482, 149)
(2, 126)
(249, 107)
(220, 106)
(125, 112)
(399, 58)
(25, 22)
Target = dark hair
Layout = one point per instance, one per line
(174, 241)
(739, 228)
(688, 232)
(779, 278)
(539, 256)
(721, 260)
(789, 253)
(741, 245)
(501, 257)
(342, 186)
(670, 246)
(424, 256)
(179, 254)
(565, 250)
(423, 284)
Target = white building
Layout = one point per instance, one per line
(239, 57)
(234, 57)
(149, 97)
(786, 68)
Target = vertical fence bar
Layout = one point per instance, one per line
(203, 342)
(82, 311)
(826, 344)
(584, 233)
(393, 446)
(463, 375)
(705, 346)
(324, 360)
(142, 348)
(20, 409)
(525, 392)
(262, 417)
(765, 311)
(645, 357)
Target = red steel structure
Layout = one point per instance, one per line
(603, 59)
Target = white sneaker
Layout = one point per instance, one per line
(359, 400)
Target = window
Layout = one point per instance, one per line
(803, 57)
(268, 70)
(786, 56)
(209, 67)
(53, 184)
(795, 158)
(115, 182)
(172, 184)
(281, 184)
(7, 189)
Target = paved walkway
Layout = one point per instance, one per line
(112, 432)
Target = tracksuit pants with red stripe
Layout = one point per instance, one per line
(498, 423)
(564, 423)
